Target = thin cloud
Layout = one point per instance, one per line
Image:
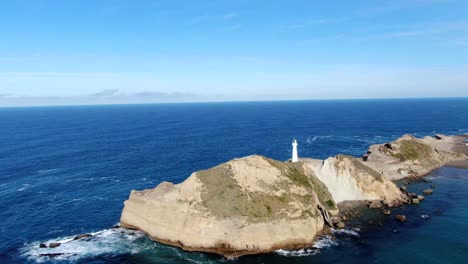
(165, 95)
(313, 22)
(108, 92)
(230, 16)
(109, 96)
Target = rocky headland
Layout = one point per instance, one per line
(255, 204)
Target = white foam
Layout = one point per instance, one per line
(47, 171)
(115, 241)
(324, 242)
(25, 186)
(350, 232)
(424, 216)
(297, 253)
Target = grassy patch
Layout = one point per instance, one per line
(412, 150)
(298, 178)
(224, 198)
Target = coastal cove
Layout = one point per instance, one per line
(95, 164)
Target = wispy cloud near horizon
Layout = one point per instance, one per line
(108, 96)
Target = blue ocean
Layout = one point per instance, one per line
(65, 171)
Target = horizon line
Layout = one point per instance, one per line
(237, 101)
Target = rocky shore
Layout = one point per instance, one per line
(256, 205)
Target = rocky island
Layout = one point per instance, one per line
(255, 204)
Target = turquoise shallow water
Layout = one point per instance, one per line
(67, 170)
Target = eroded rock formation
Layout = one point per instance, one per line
(255, 204)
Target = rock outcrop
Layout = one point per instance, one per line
(255, 204)
(245, 206)
(409, 156)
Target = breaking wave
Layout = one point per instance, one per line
(114, 241)
(323, 242)
(349, 232)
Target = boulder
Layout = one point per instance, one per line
(415, 201)
(386, 212)
(335, 220)
(400, 218)
(375, 204)
(428, 191)
(340, 225)
(42, 245)
(420, 197)
(82, 236)
(54, 245)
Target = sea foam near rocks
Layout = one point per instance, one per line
(324, 242)
(114, 241)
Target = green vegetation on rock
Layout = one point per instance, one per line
(223, 197)
(411, 150)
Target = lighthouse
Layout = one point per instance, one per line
(294, 151)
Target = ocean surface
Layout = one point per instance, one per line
(67, 170)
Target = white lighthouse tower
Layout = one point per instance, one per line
(294, 151)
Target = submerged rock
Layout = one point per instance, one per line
(428, 191)
(386, 212)
(51, 255)
(82, 236)
(400, 218)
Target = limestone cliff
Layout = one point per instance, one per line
(245, 206)
(349, 179)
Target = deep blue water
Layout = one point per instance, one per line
(67, 170)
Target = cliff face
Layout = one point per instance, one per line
(245, 206)
(409, 156)
(349, 179)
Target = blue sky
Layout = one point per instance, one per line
(98, 52)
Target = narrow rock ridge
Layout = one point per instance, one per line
(255, 204)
